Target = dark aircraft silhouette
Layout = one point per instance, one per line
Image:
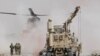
(32, 19)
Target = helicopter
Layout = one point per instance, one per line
(34, 17)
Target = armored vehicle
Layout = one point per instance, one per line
(60, 41)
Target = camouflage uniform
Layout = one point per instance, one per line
(11, 49)
(18, 49)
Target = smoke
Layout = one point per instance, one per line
(31, 36)
(31, 23)
(33, 20)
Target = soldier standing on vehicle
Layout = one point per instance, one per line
(11, 49)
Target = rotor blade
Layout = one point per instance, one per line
(20, 14)
(8, 13)
(24, 14)
(14, 14)
(41, 15)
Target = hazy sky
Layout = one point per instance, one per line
(85, 25)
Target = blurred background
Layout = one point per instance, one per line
(14, 28)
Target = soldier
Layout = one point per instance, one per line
(79, 49)
(11, 49)
(18, 48)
